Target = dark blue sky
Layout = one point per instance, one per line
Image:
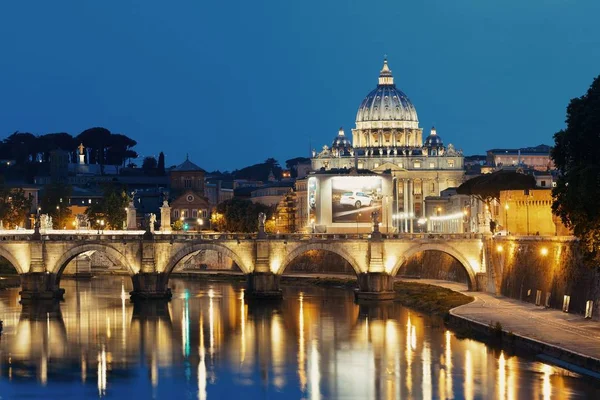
(234, 82)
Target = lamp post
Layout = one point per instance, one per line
(102, 225)
(58, 211)
(98, 226)
(506, 218)
(200, 222)
(357, 217)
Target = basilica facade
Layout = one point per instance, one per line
(388, 140)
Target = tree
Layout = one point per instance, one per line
(149, 165)
(111, 208)
(575, 156)
(161, 164)
(14, 207)
(54, 202)
(97, 139)
(238, 215)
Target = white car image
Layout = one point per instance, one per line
(355, 199)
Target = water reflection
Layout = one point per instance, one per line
(208, 342)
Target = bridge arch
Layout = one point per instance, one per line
(444, 248)
(188, 250)
(64, 260)
(12, 260)
(298, 251)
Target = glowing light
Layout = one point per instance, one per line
(301, 344)
(501, 376)
(544, 251)
(390, 262)
(315, 373)
(102, 372)
(201, 365)
(448, 359)
(468, 376)
(426, 359)
(275, 264)
(446, 217)
(546, 386)
(499, 249)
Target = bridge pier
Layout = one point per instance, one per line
(39, 286)
(263, 285)
(375, 286)
(150, 286)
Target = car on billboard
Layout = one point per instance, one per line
(355, 199)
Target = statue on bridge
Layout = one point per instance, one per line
(151, 222)
(45, 222)
(262, 217)
(375, 220)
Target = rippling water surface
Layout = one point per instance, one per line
(209, 343)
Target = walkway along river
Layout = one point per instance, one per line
(209, 343)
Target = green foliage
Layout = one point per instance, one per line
(429, 298)
(54, 203)
(575, 156)
(111, 209)
(14, 207)
(260, 172)
(177, 225)
(238, 215)
(149, 165)
(160, 168)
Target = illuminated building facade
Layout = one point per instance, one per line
(387, 138)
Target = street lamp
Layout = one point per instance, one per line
(199, 223)
(98, 226)
(58, 210)
(357, 217)
(506, 217)
(102, 225)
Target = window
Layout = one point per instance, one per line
(417, 164)
(376, 165)
(401, 165)
(451, 163)
(194, 213)
(176, 214)
(204, 213)
(184, 213)
(432, 189)
(543, 184)
(431, 165)
(187, 183)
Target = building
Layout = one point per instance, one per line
(529, 212)
(272, 193)
(537, 157)
(190, 204)
(387, 138)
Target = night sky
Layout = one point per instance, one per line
(234, 82)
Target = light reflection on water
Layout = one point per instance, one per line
(209, 342)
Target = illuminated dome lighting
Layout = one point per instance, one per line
(433, 140)
(387, 103)
(341, 144)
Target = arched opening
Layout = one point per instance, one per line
(206, 261)
(93, 263)
(435, 264)
(319, 262)
(207, 258)
(9, 275)
(90, 260)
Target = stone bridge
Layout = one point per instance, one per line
(151, 258)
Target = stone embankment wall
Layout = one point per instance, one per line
(518, 268)
(434, 265)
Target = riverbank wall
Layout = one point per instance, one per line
(546, 271)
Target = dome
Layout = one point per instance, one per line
(433, 140)
(387, 103)
(342, 144)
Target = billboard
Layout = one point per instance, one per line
(354, 198)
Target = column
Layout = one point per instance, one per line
(405, 204)
(411, 201)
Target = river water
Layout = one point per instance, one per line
(209, 343)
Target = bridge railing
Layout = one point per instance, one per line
(80, 235)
